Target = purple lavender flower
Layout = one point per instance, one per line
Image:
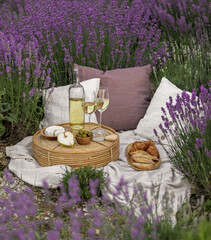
(8, 176)
(93, 184)
(190, 153)
(58, 224)
(134, 233)
(53, 235)
(8, 69)
(91, 233)
(74, 190)
(199, 142)
(208, 152)
(189, 135)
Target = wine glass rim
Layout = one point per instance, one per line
(89, 90)
(103, 88)
(103, 92)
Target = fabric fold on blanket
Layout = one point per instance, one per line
(26, 167)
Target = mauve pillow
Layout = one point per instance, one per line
(87, 72)
(129, 93)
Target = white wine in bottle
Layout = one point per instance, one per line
(76, 99)
(76, 112)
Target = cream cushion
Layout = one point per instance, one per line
(152, 117)
(56, 108)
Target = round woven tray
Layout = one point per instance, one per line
(49, 152)
(131, 161)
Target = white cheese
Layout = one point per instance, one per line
(53, 131)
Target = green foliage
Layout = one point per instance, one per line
(187, 134)
(168, 232)
(164, 230)
(207, 205)
(5, 114)
(195, 168)
(24, 98)
(191, 215)
(202, 233)
(188, 68)
(84, 175)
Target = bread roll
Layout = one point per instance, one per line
(112, 137)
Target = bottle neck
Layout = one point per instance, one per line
(76, 76)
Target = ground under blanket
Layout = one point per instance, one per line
(25, 167)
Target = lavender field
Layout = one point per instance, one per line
(40, 40)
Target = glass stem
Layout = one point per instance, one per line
(100, 119)
(89, 122)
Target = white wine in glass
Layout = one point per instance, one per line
(89, 105)
(102, 103)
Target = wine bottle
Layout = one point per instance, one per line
(76, 99)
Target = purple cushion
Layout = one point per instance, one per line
(129, 92)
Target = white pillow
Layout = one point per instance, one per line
(56, 109)
(152, 117)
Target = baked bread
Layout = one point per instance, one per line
(112, 137)
(152, 150)
(148, 146)
(143, 155)
(137, 157)
(142, 166)
(140, 146)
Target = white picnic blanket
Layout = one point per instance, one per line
(25, 167)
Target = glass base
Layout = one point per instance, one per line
(98, 134)
(77, 127)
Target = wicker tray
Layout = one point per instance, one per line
(131, 161)
(49, 152)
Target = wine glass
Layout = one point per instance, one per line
(89, 105)
(102, 102)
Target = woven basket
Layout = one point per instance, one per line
(49, 152)
(131, 161)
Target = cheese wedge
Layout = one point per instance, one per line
(54, 131)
